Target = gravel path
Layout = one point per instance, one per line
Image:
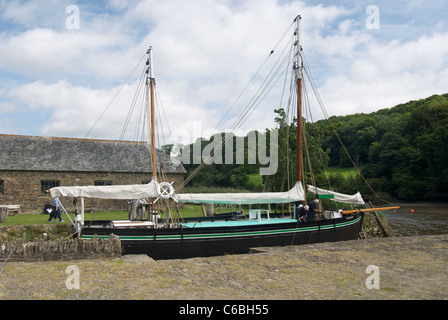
(403, 267)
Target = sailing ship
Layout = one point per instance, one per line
(229, 233)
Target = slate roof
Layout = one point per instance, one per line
(30, 153)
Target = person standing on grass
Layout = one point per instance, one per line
(50, 210)
(56, 209)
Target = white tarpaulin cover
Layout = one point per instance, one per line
(339, 197)
(140, 191)
(135, 191)
(295, 194)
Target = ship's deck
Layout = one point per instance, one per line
(234, 223)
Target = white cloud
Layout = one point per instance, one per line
(32, 14)
(73, 110)
(205, 52)
(45, 53)
(383, 75)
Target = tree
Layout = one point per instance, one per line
(401, 151)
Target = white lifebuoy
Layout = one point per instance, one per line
(165, 190)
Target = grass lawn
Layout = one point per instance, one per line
(30, 219)
(346, 172)
(256, 179)
(188, 210)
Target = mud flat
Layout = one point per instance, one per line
(408, 268)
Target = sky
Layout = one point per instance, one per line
(64, 63)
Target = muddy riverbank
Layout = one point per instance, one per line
(403, 268)
(415, 219)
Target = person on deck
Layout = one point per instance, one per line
(313, 208)
(301, 212)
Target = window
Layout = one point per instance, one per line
(103, 183)
(2, 187)
(48, 184)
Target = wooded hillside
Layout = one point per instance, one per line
(401, 152)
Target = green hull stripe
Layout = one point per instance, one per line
(226, 235)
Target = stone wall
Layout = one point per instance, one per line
(68, 249)
(52, 242)
(374, 226)
(24, 188)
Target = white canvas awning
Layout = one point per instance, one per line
(134, 191)
(338, 197)
(149, 190)
(293, 195)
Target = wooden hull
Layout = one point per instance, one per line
(178, 243)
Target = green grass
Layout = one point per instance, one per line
(31, 219)
(346, 172)
(26, 219)
(188, 210)
(256, 179)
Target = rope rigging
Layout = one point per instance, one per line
(279, 69)
(256, 73)
(321, 104)
(114, 97)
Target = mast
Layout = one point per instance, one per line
(298, 66)
(150, 113)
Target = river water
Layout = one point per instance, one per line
(416, 220)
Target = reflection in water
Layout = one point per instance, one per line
(418, 220)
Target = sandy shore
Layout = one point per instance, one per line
(370, 269)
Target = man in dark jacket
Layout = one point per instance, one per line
(50, 210)
(313, 208)
(301, 212)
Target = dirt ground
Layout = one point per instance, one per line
(403, 268)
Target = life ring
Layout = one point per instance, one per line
(165, 190)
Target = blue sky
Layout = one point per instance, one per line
(57, 81)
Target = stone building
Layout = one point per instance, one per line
(31, 165)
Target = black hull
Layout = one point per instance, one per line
(178, 243)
